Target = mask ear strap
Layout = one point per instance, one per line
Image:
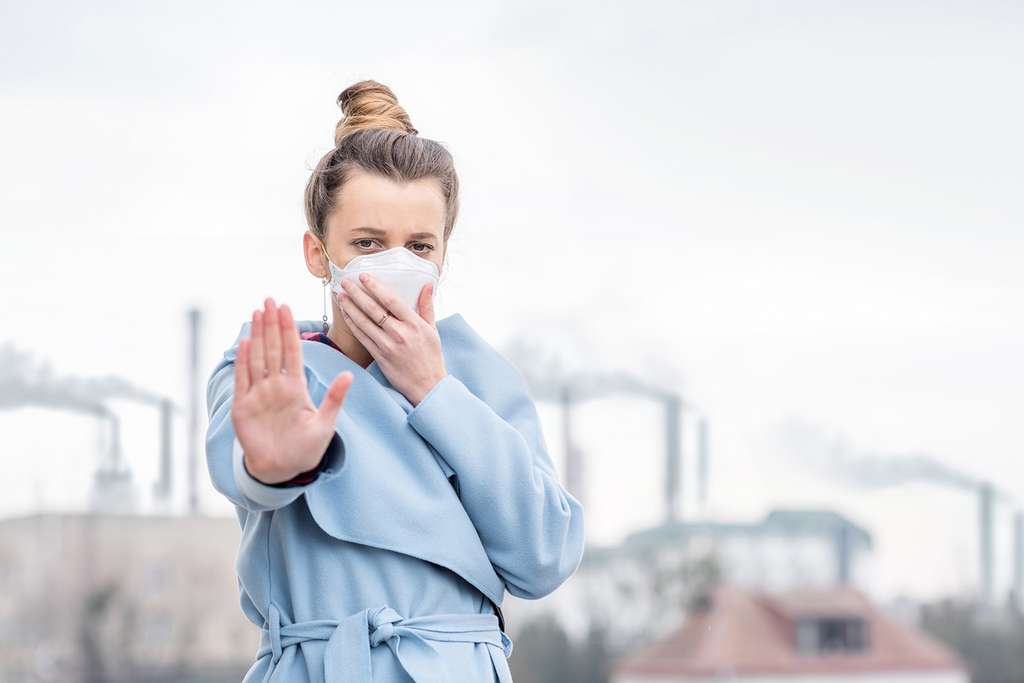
(326, 281)
(325, 309)
(323, 250)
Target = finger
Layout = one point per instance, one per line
(356, 327)
(257, 363)
(242, 368)
(335, 396)
(367, 305)
(367, 325)
(272, 337)
(290, 341)
(427, 303)
(387, 298)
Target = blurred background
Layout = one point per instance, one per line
(760, 262)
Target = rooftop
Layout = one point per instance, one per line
(752, 632)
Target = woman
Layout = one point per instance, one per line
(378, 541)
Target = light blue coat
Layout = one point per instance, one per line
(420, 517)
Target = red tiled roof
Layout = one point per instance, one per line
(746, 632)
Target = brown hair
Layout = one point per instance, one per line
(376, 135)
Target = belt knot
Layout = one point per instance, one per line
(382, 624)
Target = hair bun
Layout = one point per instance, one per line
(369, 104)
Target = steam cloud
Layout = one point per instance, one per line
(835, 456)
(26, 381)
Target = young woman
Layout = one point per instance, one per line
(389, 472)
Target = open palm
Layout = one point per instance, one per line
(281, 432)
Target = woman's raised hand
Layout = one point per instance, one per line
(281, 432)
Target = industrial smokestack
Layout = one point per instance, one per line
(1018, 558)
(702, 462)
(843, 553)
(673, 456)
(113, 491)
(573, 457)
(985, 509)
(162, 488)
(194, 322)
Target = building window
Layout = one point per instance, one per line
(825, 635)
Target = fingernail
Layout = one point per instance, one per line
(363, 277)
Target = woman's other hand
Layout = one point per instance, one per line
(281, 431)
(407, 347)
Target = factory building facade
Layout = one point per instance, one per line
(122, 597)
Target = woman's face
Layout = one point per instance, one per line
(373, 214)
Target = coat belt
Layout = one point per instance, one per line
(347, 654)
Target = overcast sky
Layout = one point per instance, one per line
(807, 211)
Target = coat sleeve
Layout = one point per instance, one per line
(310, 476)
(530, 526)
(225, 457)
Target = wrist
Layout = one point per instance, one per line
(425, 390)
(273, 476)
(262, 474)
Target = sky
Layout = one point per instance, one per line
(801, 211)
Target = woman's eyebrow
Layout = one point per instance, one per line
(382, 233)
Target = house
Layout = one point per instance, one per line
(830, 635)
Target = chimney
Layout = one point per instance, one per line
(985, 505)
(843, 553)
(573, 463)
(194, 322)
(162, 488)
(702, 462)
(673, 456)
(1018, 558)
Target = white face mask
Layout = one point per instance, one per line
(400, 270)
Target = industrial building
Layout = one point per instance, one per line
(121, 597)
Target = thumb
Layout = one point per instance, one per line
(426, 304)
(334, 397)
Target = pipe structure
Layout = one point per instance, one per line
(843, 554)
(986, 502)
(162, 487)
(673, 457)
(194, 323)
(574, 482)
(703, 462)
(1018, 557)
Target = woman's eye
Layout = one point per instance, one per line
(367, 243)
